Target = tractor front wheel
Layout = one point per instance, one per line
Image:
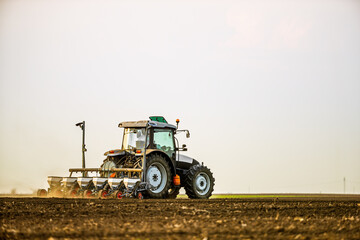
(199, 182)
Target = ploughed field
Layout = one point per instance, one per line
(245, 218)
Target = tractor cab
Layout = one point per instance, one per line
(155, 134)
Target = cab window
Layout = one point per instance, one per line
(163, 140)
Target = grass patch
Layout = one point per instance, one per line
(214, 196)
(254, 196)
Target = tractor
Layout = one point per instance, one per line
(148, 165)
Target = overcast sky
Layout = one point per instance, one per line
(270, 90)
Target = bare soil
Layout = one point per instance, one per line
(282, 218)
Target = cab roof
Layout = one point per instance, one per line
(144, 123)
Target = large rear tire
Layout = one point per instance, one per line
(158, 175)
(199, 182)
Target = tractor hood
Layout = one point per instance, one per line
(185, 161)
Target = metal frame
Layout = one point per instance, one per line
(86, 170)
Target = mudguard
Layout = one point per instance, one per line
(184, 162)
(115, 152)
(168, 159)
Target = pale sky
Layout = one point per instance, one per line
(270, 90)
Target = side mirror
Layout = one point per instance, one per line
(187, 134)
(184, 147)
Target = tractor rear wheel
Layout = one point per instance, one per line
(199, 182)
(158, 175)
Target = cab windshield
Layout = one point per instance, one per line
(164, 140)
(134, 138)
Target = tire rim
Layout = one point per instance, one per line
(103, 194)
(88, 193)
(202, 183)
(156, 176)
(119, 195)
(73, 193)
